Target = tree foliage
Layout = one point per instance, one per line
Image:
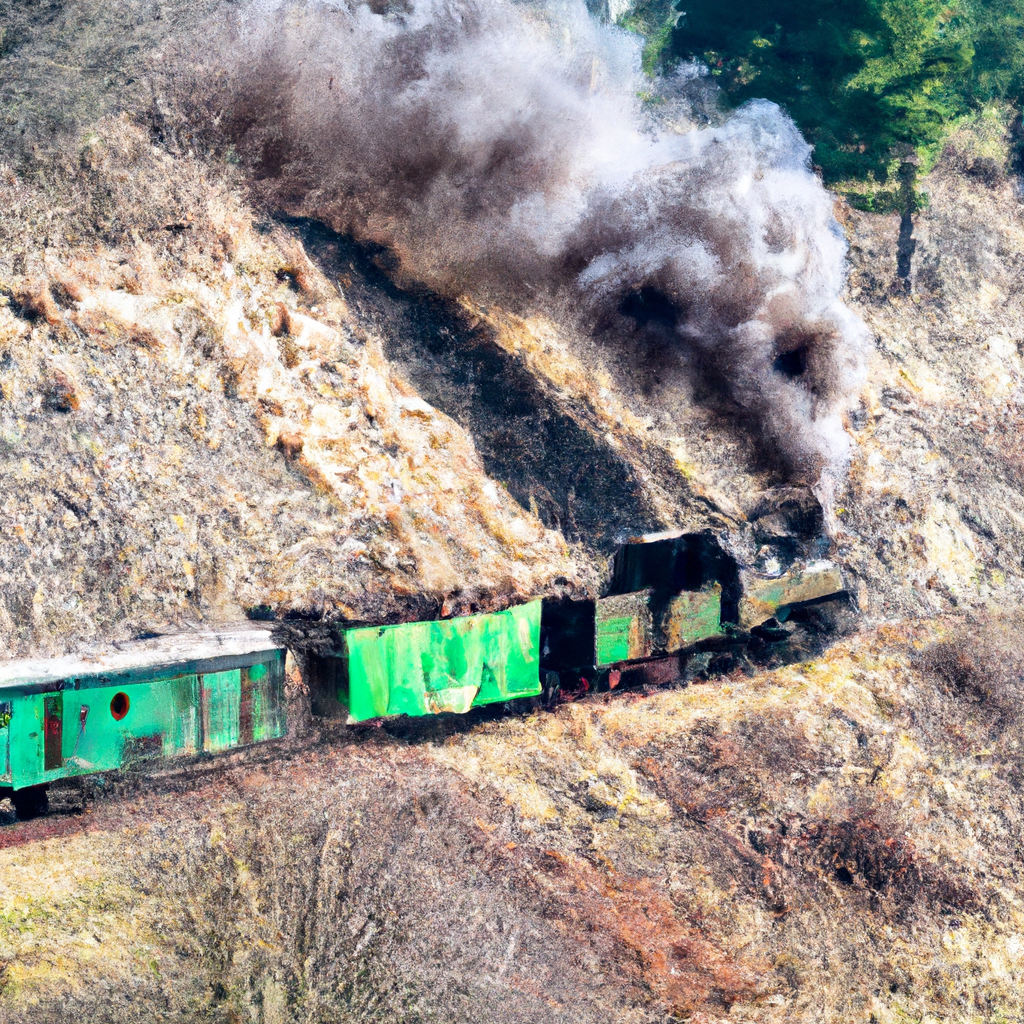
(874, 84)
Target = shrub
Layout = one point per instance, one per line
(983, 662)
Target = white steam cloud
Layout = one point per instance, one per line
(501, 148)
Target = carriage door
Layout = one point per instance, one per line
(53, 731)
(222, 698)
(5, 741)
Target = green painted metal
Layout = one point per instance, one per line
(268, 704)
(26, 741)
(622, 628)
(76, 730)
(692, 616)
(423, 668)
(162, 720)
(5, 741)
(613, 639)
(222, 698)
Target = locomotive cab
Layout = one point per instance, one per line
(669, 592)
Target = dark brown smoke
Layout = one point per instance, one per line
(499, 148)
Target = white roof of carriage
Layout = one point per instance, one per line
(126, 656)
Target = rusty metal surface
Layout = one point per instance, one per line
(764, 598)
(691, 617)
(657, 672)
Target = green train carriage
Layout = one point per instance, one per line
(671, 595)
(425, 668)
(174, 697)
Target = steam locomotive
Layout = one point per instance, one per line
(679, 606)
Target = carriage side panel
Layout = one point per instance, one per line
(122, 722)
(764, 598)
(417, 668)
(269, 706)
(624, 630)
(510, 654)
(5, 741)
(27, 740)
(425, 668)
(222, 699)
(692, 616)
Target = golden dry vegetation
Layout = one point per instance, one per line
(197, 423)
(833, 841)
(195, 426)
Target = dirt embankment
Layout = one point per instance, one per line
(208, 413)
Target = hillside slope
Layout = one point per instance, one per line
(209, 410)
(196, 427)
(829, 842)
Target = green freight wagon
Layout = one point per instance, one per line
(424, 668)
(173, 696)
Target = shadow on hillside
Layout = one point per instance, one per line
(570, 476)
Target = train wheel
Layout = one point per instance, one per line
(31, 802)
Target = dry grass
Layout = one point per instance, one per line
(983, 664)
(157, 329)
(823, 843)
(815, 818)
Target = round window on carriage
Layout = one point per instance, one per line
(119, 706)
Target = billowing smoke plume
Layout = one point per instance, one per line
(502, 148)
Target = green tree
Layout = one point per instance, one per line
(874, 84)
(998, 67)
